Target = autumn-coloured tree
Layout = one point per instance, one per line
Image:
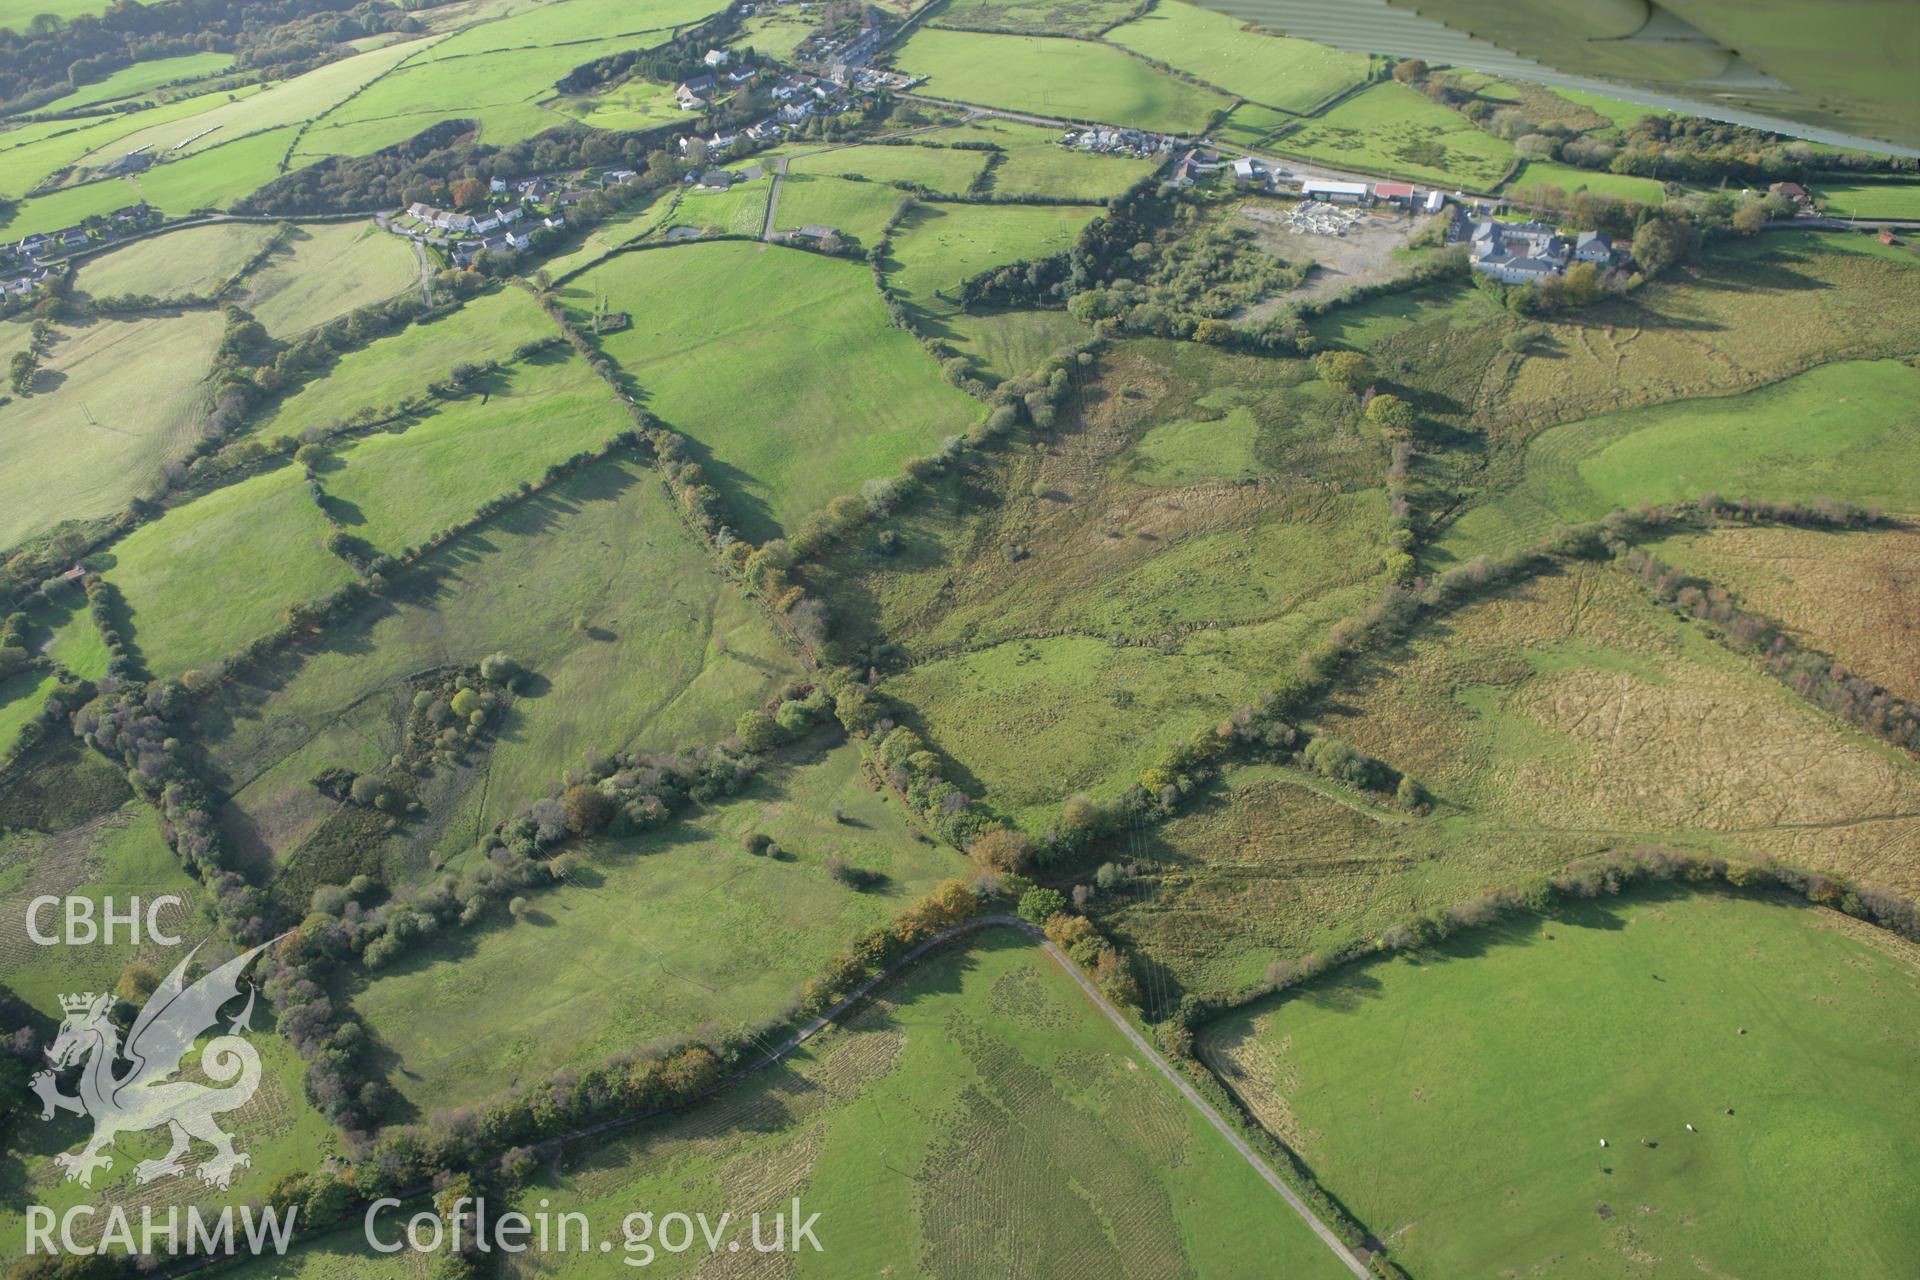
(1002, 850)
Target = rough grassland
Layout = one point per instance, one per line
(1393, 130)
(1625, 1020)
(323, 271)
(1842, 430)
(197, 260)
(1073, 79)
(756, 374)
(1006, 344)
(1572, 704)
(658, 935)
(1856, 597)
(979, 1118)
(941, 245)
(1293, 75)
(393, 368)
(1275, 863)
(395, 490)
(114, 403)
(208, 577)
(594, 585)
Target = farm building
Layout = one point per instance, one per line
(1400, 193)
(1334, 192)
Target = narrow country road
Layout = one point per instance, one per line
(426, 272)
(773, 197)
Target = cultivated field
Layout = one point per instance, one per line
(1072, 79)
(1392, 130)
(811, 434)
(114, 403)
(1292, 75)
(1744, 1061)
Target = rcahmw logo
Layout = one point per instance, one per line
(127, 1088)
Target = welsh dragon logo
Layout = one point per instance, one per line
(140, 1096)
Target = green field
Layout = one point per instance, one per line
(21, 698)
(32, 153)
(115, 402)
(572, 22)
(141, 78)
(290, 102)
(1035, 164)
(1290, 74)
(1786, 1036)
(1869, 199)
(1250, 122)
(208, 178)
(594, 585)
(634, 104)
(197, 260)
(777, 425)
(1535, 173)
(941, 245)
(321, 271)
(1006, 344)
(1072, 79)
(1394, 131)
(980, 1118)
(740, 210)
(1837, 431)
(253, 546)
(658, 934)
(1066, 17)
(397, 489)
(398, 367)
(940, 169)
(860, 210)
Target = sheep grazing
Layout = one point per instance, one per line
(1603, 1142)
(1690, 1129)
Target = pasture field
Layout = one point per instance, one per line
(572, 22)
(1852, 596)
(978, 1117)
(32, 153)
(1366, 324)
(1784, 1035)
(594, 585)
(1072, 79)
(197, 260)
(810, 434)
(634, 104)
(1535, 173)
(624, 228)
(211, 178)
(500, 91)
(393, 368)
(941, 169)
(141, 78)
(255, 547)
(290, 102)
(1292, 75)
(1572, 704)
(22, 695)
(1623, 115)
(658, 934)
(939, 246)
(323, 270)
(774, 34)
(1250, 122)
(1839, 430)
(860, 210)
(114, 403)
(1062, 17)
(1392, 130)
(1034, 164)
(740, 210)
(396, 489)
(77, 646)
(1537, 103)
(16, 14)
(1869, 199)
